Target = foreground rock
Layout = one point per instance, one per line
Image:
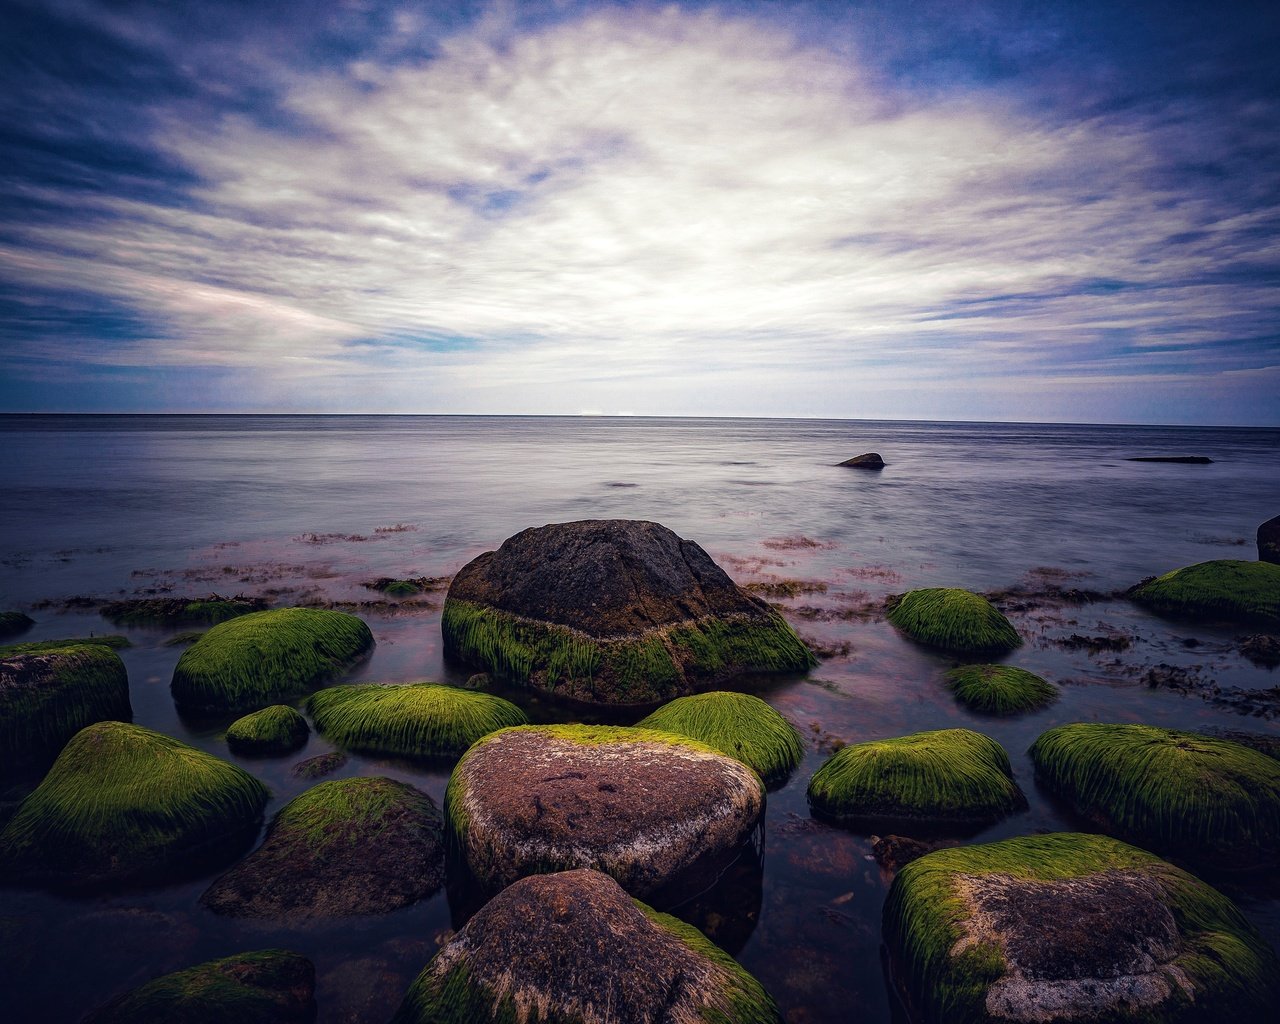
(575, 949)
(271, 986)
(1000, 689)
(871, 460)
(1269, 541)
(1224, 590)
(660, 813)
(1070, 927)
(611, 611)
(1206, 801)
(953, 620)
(352, 846)
(278, 729)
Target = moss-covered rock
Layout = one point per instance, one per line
(736, 724)
(951, 778)
(572, 948)
(46, 697)
(254, 660)
(409, 719)
(122, 801)
(1000, 689)
(271, 986)
(1225, 589)
(1070, 927)
(319, 766)
(112, 642)
(1269, 541)
(180, 611)
(953, 620)
(14, 623)
(347, 847)
(611, 611)
(1203, 800)
(278, 729)
(660, 813)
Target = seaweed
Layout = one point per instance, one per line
(954, 620)
(1224, 589)
(180, 611)
(113, 642)
(277, 729)
(1000, 689)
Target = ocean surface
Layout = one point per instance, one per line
(307, 510)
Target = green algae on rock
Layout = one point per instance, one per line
(270, 986)
(1070, 927)
(112, 641)
(661, 813)
(1000, 689)
(612, 612)
(278, 729)
(411, 719)
(14, 623)
(180, 611)
(1225, 589)
(342, 848)
(1207, 801)
(948, 778)
(954, 620)
(737, 724)
(254, 660)
(573, 948)
(122, 801)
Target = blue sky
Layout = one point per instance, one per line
(996, 210)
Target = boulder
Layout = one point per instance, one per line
(1000, 689)
(611, 611)
(661, 813)
(575, 949)
(953, 620)
(1269, 541)
(319, 766)
(871, 460)
(179, 611)
(14, 623)
(278, 729)
(342, 848)
(1221, 590)
(1191, 460)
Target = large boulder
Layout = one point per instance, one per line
(352, 846)
(1222, 590)
(575, 949)
(953, 620)
(661, 813)
(1269, 541)
(871, 460)
(613, 611)
(1069, 927)
(1000, 689)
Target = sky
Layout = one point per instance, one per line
(998, 210)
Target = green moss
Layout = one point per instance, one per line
(1225, 589)
(180, 611)
(122, 800)
(278, 729)
(13, 623)
(1207, 800)
(255, 660)
(1000, 689)
(113, 642)
(951, 776)
(401, 588)
(1230, 966)
(737, 724)
(414, 719)
(185, 638)
(350, 812)
(954, 620)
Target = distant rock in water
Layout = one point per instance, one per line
(1191, 460)
(1269, 541)
(871, 460)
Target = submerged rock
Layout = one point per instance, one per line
(1000, 689)
(659, 812)
(1261, 648)
(180, 611)
(1191, 460)
(14, 623)
(954, 620)
(1225, 590)
(318, 766)
(278, 729)
(871, 460)
(611, 611)
(575, 949)
(1269, 541)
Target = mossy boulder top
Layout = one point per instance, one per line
(342, 848)
(270, 986)
(574, 948)
(1000, 689)
(954, 620)
(1225, 589)
(1198, 799)
(660, 813)
(1069, 927)
(278, 729)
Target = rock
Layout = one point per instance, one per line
(278, 729)
(113, 642)
(611, 611)
(180, 611)
(893, 853)
(573, 947)
(1193, 460)
(660, 813)
(254, 660)
(318, 766)
(1000, 689)
(953, 620)
(121, 802)
(1069, 927)
(1205, 801)
(1223, 590)
(1261, 648)
(342, 848)
(271, 986)
(947, 779)
(1269, 541)
(48, 696)
(14, 623)
(413, 719)
(871, 460)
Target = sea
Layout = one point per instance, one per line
(1053, 519)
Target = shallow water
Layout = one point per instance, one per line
(305, 509)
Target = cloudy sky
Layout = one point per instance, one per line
(892, 208)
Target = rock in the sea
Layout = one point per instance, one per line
(1192, 460)
(122, 802)
(661, 813)
(278, 729)
(953, 620)
(1269, 541)
(871, 460)
(1069, 927)
(254, 660)
(611, 611)
(271, 986)
(947, 779)
(48, 696)
(1000, 689)
(575, 949)
(1221, 590)
(1260, 648)
(180, 611)
(1207, 801)
(318, 766)
(14, 623)
(342, 848)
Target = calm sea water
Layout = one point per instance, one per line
(307, 509)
